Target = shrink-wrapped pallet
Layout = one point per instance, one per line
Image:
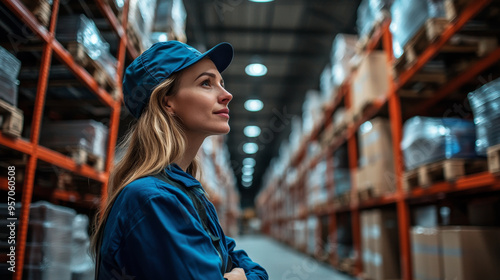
(427, 140)
(88, 135)
(485, 104)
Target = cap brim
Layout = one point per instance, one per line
(221, 55)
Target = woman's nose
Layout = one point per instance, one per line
(225, 96)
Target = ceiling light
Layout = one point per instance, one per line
(254, 105)
(246, 184)
(249, 161)
(247, 170)
(250, 148)
(256, 69)
(252, 131)
(246, 178)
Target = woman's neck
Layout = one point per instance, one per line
(193, 145)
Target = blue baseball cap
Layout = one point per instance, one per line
(159, 62)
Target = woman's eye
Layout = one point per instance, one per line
(205, 83)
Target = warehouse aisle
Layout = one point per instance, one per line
(284, 263)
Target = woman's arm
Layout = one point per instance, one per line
(253, 271)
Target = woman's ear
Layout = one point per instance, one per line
(167, 102)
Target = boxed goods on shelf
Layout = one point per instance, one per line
(49, 246)
(379, 235)
(343, 51)
(312, 226)
(326, 85)
(375, 175)
(82, 265)
(370, 82)
(426, 140)
(311, 113)
(426, 255)
(84, 41)
(84, 135)
(371, 12)
(171, 18)
(141, 16)
(470, 252)
(316, 185)
(485, 102)
(408, 17)
(9, 71)
(41, 9)
(342, 181)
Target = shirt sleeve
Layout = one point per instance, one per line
(253, 271)
(169, 243)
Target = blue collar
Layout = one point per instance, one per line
(176, 173)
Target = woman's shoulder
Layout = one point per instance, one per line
(146, 188)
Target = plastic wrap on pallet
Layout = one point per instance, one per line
(311, 112)
(8, 90)
(326, 86)
(141, 16)
(88, 135)
(426, 140)
(408, 17)
(369, 12)
(343, 51)
(485, 104)
(171, 17)
(341, 180)
(78, 28)
(82, 266)
(49, 243)
(9, 65)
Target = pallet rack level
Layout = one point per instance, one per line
(477, 183)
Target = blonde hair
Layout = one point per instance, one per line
(153, 143)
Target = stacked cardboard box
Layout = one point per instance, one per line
(461, 253)
(380, 245)
(370, 82)
(376, 171)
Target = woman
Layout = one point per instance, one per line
(157, 222)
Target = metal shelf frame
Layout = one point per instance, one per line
(31, 147)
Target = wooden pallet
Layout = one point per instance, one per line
(11, 119)
(81, 156)
(446, 170)
(342, 200)
(95, 69)
(41, 9)
(366, 194)
(494, 159)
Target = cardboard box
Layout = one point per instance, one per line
(370, 81)
(426, 256)
(375, 141)
(380, 245)
(470, 253)
(378, 176)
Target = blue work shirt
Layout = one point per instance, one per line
(154, 232)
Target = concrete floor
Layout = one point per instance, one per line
(284, 263)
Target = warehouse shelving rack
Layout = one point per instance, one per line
(478, 183)
(31, 147)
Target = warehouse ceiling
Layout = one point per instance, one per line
(293, 38)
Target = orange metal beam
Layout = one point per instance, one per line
(108, 13)
(469, 12)
(17, 144)
(27, 192)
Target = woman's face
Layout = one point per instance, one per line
(201, 100)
